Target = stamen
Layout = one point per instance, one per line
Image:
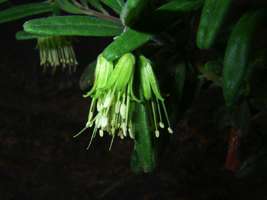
(101, 133)
(103, 122)
(127, 105)
(130, 133)
(107, 100)
(124, 129)
(167, 118)
(154, 118)
(170, 130)
(123, 111)
(91, 111)
(161, 124)
(81, 131)
(117, 107)
(157, 133)
(92, 137)
(111, 143)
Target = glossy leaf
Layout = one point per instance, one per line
(236, 69)
(132, 10)
(97, 5)
(72, 25)
(25, 10)
(115, 5)
(212, 17)
(181, 6)
(143, 157)
(126, 42)
(68, 6)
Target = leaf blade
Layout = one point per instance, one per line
(67, 6)
(126, 42)
(24, 10)
(72, 26)
(180, 6)
(115, 5)
(133, 10)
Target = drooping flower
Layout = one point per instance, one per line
(152, 94)
(111, 95)
(57, 51)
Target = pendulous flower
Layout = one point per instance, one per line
(152, 94)
(55, 51)
(113, 98)
(111, 95)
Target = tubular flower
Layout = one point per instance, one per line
(152, 94)
(111, 95)
(56, 51)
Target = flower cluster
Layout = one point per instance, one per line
(56, 51)
(112, 96)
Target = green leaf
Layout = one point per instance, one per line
(181, 5)
(236, 61)
(115, 5)
(69, 7)
(97, 5)
(126, 42)
(133, 10)
(211, 21)
(22, 35)
(72, 25)
(24, 10)
(143, 157)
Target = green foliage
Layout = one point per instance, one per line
(132, 10)
(181, 5)
(212, 18)
(236, 59)
(24, 10)
(73, 26)
(67, 6)
(116, 5)
(126, 42)
(96, 4)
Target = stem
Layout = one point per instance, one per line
(88, 11)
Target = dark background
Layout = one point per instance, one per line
(39, 159)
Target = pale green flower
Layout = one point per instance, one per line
(111, 95)
(56, 51)
(152, 94)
